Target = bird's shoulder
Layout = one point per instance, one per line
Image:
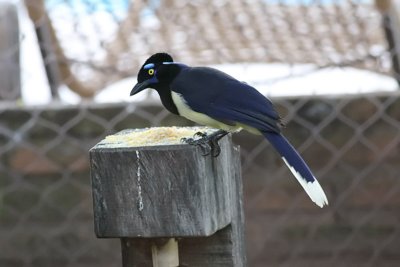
(210, 74)
(204, 79)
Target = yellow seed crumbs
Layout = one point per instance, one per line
(152, 136)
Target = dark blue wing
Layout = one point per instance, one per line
(224, 98)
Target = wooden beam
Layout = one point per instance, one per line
(10, 72)
(57, 66)
(390, 11)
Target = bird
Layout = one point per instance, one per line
(210, 97)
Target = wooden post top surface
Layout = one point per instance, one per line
(164, 189)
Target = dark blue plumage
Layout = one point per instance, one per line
(211, 97)
(222, 97)
(287, 151)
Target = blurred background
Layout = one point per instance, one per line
(331, 68)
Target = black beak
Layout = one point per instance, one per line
(139, 87)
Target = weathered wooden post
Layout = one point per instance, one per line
(169, 204)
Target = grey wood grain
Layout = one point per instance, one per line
(227, 246)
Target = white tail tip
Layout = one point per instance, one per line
(313, 189)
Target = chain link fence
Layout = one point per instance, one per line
(351, 141)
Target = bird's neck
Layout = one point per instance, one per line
(166, 99)
(166, 74)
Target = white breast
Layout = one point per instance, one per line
(197, 117)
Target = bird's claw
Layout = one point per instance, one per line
(209, 145)
(215, 148)
(200, 135)
(205, 147)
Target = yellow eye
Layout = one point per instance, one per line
(151, 71)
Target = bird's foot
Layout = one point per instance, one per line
(208, 143)
(205, 145)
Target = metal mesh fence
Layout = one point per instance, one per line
(351, 142)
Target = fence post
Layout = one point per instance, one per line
(169, 204)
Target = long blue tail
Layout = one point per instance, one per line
(298, 167)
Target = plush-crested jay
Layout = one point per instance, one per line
(210, 97)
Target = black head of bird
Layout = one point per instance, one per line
(157, 72)
(210, 97)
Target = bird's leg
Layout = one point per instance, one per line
(209, 143)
